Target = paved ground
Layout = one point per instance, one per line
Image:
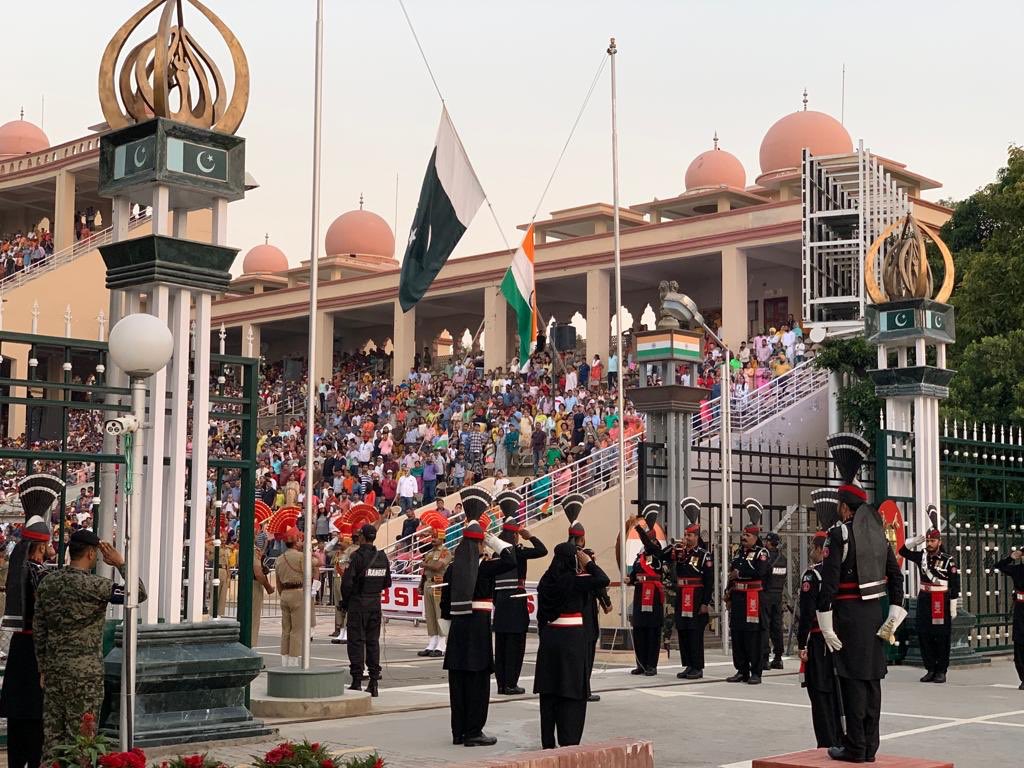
(974, 720)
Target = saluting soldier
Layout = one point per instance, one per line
(817, 674)
(435, 562)
(368, 574)
(936, 599)
(21, 698)
(597, 597)
(858, 568)
(695, 580)
(466, 600)
(748, 570)
(1013, 566)
(771, 602)
(343, 551)
(648, 596)
(511, 613)
(71, 609)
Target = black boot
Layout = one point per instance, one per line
(843, 755)
(739, 677)
(682, 675)
(777, 662)
(939, 677)
(929, 677)
(357, 683)
(371, 687)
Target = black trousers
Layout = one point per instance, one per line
(646, 645)
(24, 743)
(771, 606)
(935, 650)
(862, 703)
(364, 643)
(591, 654)
(746, 651)
(469, 694)
(509, 650)
(1018, 654)
(563, 716)
(691, 643)
(825, 718)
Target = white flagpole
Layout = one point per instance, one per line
(612, 50)
(311, 394)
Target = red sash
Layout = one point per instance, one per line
(753, 605)
(687, 596)
(649, 587)
(938, 607)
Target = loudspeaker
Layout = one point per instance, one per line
(563, 337)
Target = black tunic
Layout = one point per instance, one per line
(511, 613)
(776, 581)
(752, 565)
(655, 615)
(21, 697)
(817, 673)
(562, 658)
(469, 637)
(937, 569)
(693, 564)
(1015, 570)
(856, 621)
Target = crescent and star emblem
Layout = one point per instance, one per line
(208, 158)
(140, 155)
(901, 320)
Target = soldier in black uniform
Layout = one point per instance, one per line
(511, 614)
(1013, 566)
(21, 698)
(563, 673)
(367, 575)
(936, 599)
(859, 567)
(597, 594)
(748, 570)
(771, 602)
(817, 674)
(695, 579)
(466, 600)
(648, 597)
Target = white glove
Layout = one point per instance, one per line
(897, 613)
(495, 544)
(827, 632)
(952, 609)
(914, 542)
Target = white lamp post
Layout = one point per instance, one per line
(141, 345)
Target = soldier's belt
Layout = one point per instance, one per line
(483, 605)
(815, 631)
(567, 620)
(747, 586)
(934, 588)
(289, 586)
(690, 582)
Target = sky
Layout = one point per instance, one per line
(933, 84)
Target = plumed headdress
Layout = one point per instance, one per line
(826, 507)
(509, 503)
(754, 511)
(935, 526)
(691, 510)
(849, 451)
(573, 505)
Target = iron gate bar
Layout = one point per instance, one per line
(67, 386)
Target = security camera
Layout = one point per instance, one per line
(121, 425)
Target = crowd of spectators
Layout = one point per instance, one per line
(20, 251)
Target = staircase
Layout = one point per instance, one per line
(750, 412)
(65, 256)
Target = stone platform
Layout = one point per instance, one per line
(617, 753)
(349, 704)
(818, 758)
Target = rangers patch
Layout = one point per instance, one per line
(806, 587)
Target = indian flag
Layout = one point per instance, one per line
(519, 289)
(668, 345)
(441, 442)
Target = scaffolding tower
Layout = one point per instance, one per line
(848, 201)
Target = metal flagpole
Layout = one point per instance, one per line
(612, 50)
(725, 459)
(311, 394)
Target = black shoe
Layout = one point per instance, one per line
(928, 678)
(593, 698)
(940, 677)
(371, 687)
(754, 680)
(483, 740)
(776, 663)
(425, 652)
(357, 684)
(682, 675)
(651, 672)
(338, 641)
(695, 674)
(739, 677)
(841, 754)
(1020, 687)
(436, 654)
(637, 671)
(515, 690)
(457, 739)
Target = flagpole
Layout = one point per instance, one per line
(612, 50)
(311, 393)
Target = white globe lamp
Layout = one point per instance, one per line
(140, 344)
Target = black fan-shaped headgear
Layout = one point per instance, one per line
(509, 502)
(935, 529)
(475, 501)
(826, 507)
(849, 452)
(650, 515)
(691, 510)
(572, 505)
(754, 510)
(38, 493)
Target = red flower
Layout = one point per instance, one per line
(113, 760)
(193, 761)
(379, 763)
(88, 725)
(326, 764)
(315, 746)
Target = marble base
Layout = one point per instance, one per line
(191, 684)
(262, 704)
(313, 683)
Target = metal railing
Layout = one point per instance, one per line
(589, 476)
(768, 400)
(296, 404)
(65, 256)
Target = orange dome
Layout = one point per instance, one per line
(820, 133)
(20, 137)
(715, 168)
(263, 259)
(360, 232)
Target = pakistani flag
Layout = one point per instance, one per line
(519, 289)
(449, 198)
(441, 442)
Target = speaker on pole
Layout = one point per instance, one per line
(563, 337)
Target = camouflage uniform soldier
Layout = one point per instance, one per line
(71, 607)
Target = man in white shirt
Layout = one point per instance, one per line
(789, 342)
(407, 490)
(365, 451)
(571, 379)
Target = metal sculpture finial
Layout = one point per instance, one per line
(101, 319)
(22, 114)
(67, 321)
(360, 201)
(805, 99)
(905, 271)
(266, 239)
(172, 61)
(715, 140)
(35, 316)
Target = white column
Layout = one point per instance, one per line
(64, 211)
(220, 222)
(200, 424)
(149, 516)
(181, 223)
(735, 327)
(161, 210)
(173, 517)
(599, 314)
(403, 338)
(496, 354)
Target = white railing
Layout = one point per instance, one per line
(590, 476)
(283, 406)
(754, 408)
(65, 256)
